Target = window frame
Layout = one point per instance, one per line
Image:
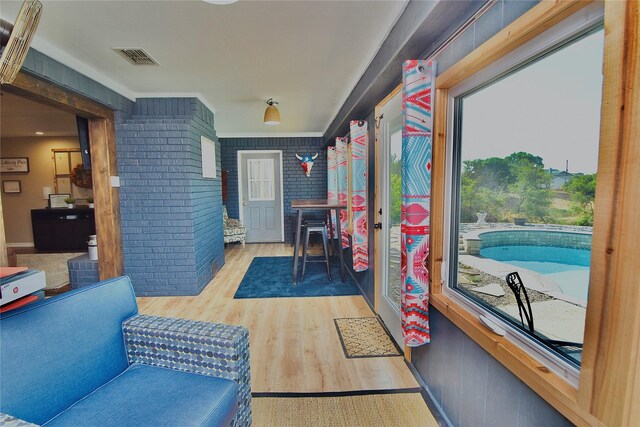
(556, 38)
(606, 391)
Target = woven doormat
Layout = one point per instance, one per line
(365, 337)
(404, 409)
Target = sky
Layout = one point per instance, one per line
(550, 109)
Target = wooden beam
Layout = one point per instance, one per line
(438, 177)
(4, 258)
(47, 93)
(107, 199)
(103, 160)
(610, 380)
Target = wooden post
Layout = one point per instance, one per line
(107, 199)
(610, 376)
(103, 160)
(4, 259)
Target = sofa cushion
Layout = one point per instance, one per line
(58, 350)
(152, 396)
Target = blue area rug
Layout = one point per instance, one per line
(270, 277)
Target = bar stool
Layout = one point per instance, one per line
(315, 227)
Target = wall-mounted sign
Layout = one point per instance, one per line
(14, 164)
(11, 187)
(58, 200)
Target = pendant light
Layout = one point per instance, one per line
(271, 114)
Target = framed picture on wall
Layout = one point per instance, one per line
(57, 200)
(11, 187)
(14, 164)
(208, 157)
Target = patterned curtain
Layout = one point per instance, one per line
(359, 142)
(341, 155)
(332, 184)
(417, 123)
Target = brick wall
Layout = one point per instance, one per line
(296, 184)
(82, 271)
(171, 216)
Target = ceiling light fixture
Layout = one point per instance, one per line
(271, 114)
(39, 133)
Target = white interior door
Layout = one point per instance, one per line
(389, 189)
(260, 180)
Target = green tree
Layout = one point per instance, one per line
(516, 185)
(583, 193)
(493, 173)
(477, 198)
(531, 191)
(395, 190)
(521, 158)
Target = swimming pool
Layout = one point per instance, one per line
(568, 267)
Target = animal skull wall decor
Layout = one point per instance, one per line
(306, 162)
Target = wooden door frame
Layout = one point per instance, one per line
(103, 161)
(279, 152)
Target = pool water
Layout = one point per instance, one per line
(568, 267)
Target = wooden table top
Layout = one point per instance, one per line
(316, 204)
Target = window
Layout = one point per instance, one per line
(608, 353)
(523, 152)
(261, 179)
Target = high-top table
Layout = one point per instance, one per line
(317, 205)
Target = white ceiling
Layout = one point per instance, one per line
(21, 117)
(307, 55)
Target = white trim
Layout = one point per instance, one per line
(387, 309)
(21, 245)
(64, 58)
(270, 135)
(279, 152)
(570, 27)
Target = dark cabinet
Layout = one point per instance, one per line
(62, 229)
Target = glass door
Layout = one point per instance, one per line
(389, 185)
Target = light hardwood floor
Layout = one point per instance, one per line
(293, 341)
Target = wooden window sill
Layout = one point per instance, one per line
(555, 390)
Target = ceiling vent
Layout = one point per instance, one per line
(136, 56)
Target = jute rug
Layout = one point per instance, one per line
(365, 337)
(54, 266)
(404, 409)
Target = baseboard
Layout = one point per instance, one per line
(21, 245)
(434, 406)
(335, 393)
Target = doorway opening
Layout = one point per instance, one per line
(102, 147)
(388, 205)
(261, 195)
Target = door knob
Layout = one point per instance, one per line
(244, 202)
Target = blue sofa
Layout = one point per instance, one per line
(87, 358)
